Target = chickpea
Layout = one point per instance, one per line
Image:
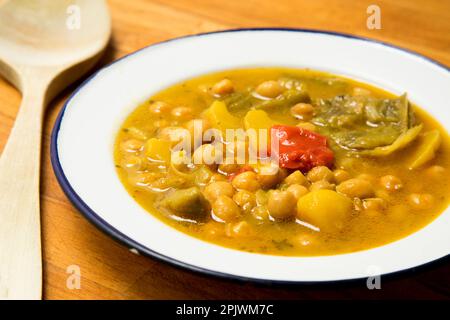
(320, 173)
(183, 113)
(435, 171)
(269, 89)
(203, 176)
(269, 180)
(421, 201)
(297, 190)
(245, 200)
(132, 145)
(296, 178)
(307, 125)
(222, 87)
(375, 204)
(322, 184)
(240, 229)
(340, 175)
(391, 183)
(356, 188)
(216, 189)
(246, 181)
(225, 209)
(281, 204)
(260, 213)
(158, 107)
(302, 111)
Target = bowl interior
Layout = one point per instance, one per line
(82, 145)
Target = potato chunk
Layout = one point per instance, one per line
(258, 119)
(219, 117)
(158, 150)
(429, 143)
(325, 209)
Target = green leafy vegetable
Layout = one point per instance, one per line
(287, 99)
(402, 141)
(366, 125)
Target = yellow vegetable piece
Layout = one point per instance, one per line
(219, 117)
(429, 143)
(258, 119)
(325, 209)
(158, 150)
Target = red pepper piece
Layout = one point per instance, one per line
(301, 149)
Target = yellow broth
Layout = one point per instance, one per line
(423, 195)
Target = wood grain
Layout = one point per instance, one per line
(108, 269)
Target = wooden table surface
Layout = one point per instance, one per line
(108, 269)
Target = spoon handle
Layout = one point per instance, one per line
(20, 239)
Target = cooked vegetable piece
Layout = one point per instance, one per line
(158, 150)
(301, 149)
(316, 86)
(258, 119)
(402, 141)
(219, 117)
(239, 101)
(187, 203)
(429, 144)
(363, 123)
(287, 99)
(325, 209)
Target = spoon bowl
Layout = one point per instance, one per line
(44, 46)
(52, 36)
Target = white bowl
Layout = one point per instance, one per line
(83, 137)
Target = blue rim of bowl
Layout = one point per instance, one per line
(104, 226)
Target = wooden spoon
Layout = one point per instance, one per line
(44, 46)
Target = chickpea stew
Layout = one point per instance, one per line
(285, 161)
